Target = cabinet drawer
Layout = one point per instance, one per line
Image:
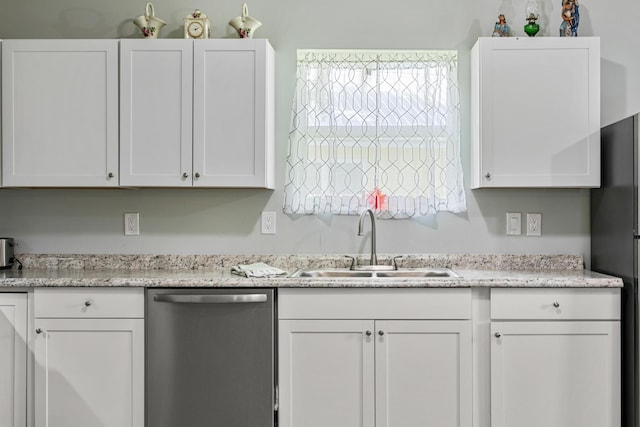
(372, 303)
(555, 304)
(89, 302)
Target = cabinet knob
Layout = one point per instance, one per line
(381, 333)
(488, 175)
(185, 175)
(88, 303)
(110, 175)
(38, 331)
(498, 334)
(197, 175)
(556, 304)
(368, 333)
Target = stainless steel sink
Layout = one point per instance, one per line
(332, 273)
(431, 272)
(374, 274)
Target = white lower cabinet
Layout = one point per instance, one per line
(13, 359)
(365, 357)
(326, 373)
(373, 371)
(555, 362)
(423, 373)
(89, 357)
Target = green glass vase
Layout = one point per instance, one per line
(531, 29)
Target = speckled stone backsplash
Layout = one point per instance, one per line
(293, 262)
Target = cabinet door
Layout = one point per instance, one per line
(13, 360)
(555, 374)
(326, 373)
(1, 174)
(89, 372)
(233, 113)
(60, 113)
(536, 112)
(423, 373)
(156, 91)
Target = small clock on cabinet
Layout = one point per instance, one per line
(196, 26)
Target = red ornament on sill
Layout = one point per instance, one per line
(377, 200)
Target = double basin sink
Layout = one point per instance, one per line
(346, 273)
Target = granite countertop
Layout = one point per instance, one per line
(140, 271)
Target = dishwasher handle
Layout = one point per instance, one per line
(211, 298)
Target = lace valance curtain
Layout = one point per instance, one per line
(377, 129)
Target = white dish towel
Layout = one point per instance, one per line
(257, 269)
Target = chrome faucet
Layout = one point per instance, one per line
(374, 256)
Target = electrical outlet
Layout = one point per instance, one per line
(534, 224)
(131, 224)
(268, 222)
(514, 223)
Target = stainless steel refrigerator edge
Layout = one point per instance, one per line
(210, 357)
(614, 243)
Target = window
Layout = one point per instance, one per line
(375, 129)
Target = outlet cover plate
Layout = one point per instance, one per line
(268, 222)
(131, 224)
(534, 224)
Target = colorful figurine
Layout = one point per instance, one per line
(570, 18)
(501, 29)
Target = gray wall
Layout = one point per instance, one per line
(223, 221)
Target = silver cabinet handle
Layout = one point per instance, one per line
(556, 304)
(381, 333)
(211, 299)
(498, 334)
(110, 175)
(38, 331)
(88, 303)
(185, 175)
(368, 333)
(197, 175)
(488, 175)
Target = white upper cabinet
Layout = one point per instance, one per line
(197, 113)
(535, 112)
(233, 113)
(60, 113)
(156, 93)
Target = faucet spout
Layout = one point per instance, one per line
(374, 256)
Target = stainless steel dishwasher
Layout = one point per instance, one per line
(210, 357)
